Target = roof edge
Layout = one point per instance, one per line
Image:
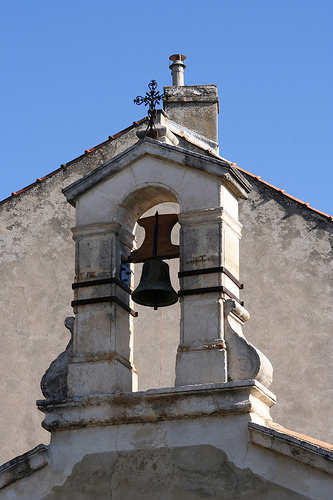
(235, 181)
(23, 465)
(65, 165)
(282, 191)
(292, 444)
(187, 139)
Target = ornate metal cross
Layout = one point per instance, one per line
(152, 98)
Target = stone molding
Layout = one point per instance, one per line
(104, 229)
(23, 465)
(245, 397)
(191, 93)
(208, 216)
(200, 346)
(95, 358)
(91, 230)
(235, 181)
(232, 182)
(292, 446)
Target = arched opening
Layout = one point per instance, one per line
(156, 333)
(140, 201)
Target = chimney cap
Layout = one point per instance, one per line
(177, 57)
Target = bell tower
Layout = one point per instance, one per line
(108, 202)
(221, 380)
(212, 350)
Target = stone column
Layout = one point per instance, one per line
(209, 242)
(101, 362)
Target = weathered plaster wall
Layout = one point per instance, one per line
(190, 459)
(36, 272)
(286, 266)
(286, 263)
(184, 473)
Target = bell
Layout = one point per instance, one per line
(155, 289)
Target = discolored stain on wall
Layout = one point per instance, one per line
(185, 473)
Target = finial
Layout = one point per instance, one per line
(152, 98)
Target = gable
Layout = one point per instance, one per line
(171, 154)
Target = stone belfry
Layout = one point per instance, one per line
(108, 204)
(191, 440)
(214, 360)
(217, 371)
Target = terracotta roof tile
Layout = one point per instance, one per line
(298, 435)
(306, 204)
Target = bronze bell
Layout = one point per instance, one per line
(155, 289)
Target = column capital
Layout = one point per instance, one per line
(209, 216)
(104, 229)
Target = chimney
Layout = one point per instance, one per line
(177, 69)
(194, 106)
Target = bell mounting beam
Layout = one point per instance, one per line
(160, 239)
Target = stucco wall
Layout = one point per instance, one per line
(36, 273)
(286, 266)
(184, 473)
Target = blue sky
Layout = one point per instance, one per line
(70, 71)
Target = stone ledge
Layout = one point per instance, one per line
(191, 93)
(244, 397)
(23, 465)
(292, 446)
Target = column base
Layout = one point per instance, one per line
(205, 364)
(99, 377)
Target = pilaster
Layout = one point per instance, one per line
(209, 242)
(102, 358)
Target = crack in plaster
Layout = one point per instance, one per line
(237, 492)
(112, 468)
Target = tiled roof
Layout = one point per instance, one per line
(187, 139)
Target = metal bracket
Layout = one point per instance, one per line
(98, 300)
(109, 298)
(211, 270)
(211, 289)
(103, 281)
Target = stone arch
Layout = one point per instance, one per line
(135, 203)
(141, 199)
